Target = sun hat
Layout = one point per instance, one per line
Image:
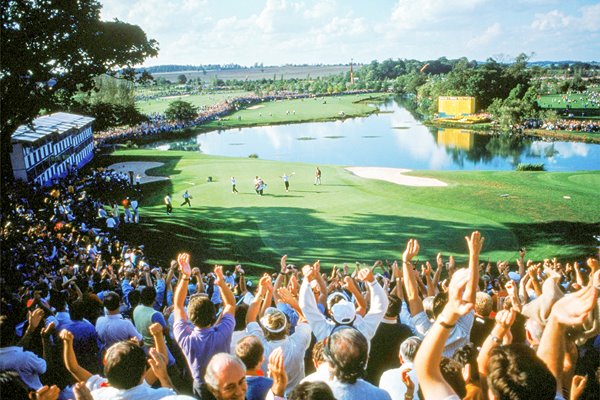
(343, 312)
(274, 320)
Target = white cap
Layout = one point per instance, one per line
(343, 312)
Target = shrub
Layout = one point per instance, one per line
(530, 167)
(253, 155)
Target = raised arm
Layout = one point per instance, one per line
(70, 360)
(254, 307)
(410, 282)
(504, 320)
(429, 356)
(361, 303)
(308, 304)
(183, 260)
(475, 243)
(571, 310)
(226, 293)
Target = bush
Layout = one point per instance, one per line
(530, 167)
(253, 155)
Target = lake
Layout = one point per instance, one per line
(392, 138)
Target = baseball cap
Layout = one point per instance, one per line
(343, 312)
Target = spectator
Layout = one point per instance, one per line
(250, 350)
(202, 337)
(113, 328)
(391, 381)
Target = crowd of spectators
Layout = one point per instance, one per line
(86, 315)
(158, 124)
(572, 125)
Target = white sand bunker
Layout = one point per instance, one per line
(139, 168)
(256, 107)
(394, 175)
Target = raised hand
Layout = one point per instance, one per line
(412, 249)
(35, 318)
(577, 386)
(155, 329)
(457, 306)
(309, 272)
(283, 264)
(277, 372)
(158, 363)
(410, 385)
(183, 259)
(47, 331)
(219, 274)
(66, 336)
(82, 392)
(317, 266)
(475, 243)
(511, 288)
(293, 285)
(365, 275)
(47, 393)
(286, 296)
(574, 308)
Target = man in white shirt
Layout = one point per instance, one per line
(27, 364)
(113, 328)
(323, 327)
(391, 380)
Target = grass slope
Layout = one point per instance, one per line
(199, 100)
(299, 110)
(349, 218)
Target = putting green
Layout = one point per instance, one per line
(348, 218)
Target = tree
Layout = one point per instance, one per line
(179, 110)
(56, 49)
(182, 79)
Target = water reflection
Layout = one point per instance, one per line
(392, 139)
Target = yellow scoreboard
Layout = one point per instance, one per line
(452, 106)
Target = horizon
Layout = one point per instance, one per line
(332, 32)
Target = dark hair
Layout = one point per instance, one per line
(311, 391)
(201, 311)
(452, 373)
(148, 296)
(250, 350)
(134, 298)
(240, 316)
(12, 386)
(467, 354)
(439, 302)
(347, 352)
(77, 310)
(516, 373)
(393, 306)
(7, 331)
(112, 301)
(58, 300)
(125, 364)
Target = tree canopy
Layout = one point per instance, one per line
(179, 110)
(55, 48)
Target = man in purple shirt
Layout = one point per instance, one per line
(202, 336)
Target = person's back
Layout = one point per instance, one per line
(385, 345)
(250, 350)
(86, 342)
(391, 380)
(145, 315)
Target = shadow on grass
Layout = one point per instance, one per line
(257, 237)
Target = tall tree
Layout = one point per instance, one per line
(54, 48)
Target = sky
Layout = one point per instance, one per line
(278, 32)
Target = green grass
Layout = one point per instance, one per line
(299, 110)
(199, 100)
(576, 100)
(349, 218)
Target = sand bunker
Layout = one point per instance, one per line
(394, 175)
(139, 167)
(256, 107)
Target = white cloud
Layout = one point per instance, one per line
(552, 20)
(321, 9)
(557, 21)
(409, 14)
(486, 37)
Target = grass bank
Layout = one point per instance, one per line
(317, 109)
(349, 218)
(159, 105)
